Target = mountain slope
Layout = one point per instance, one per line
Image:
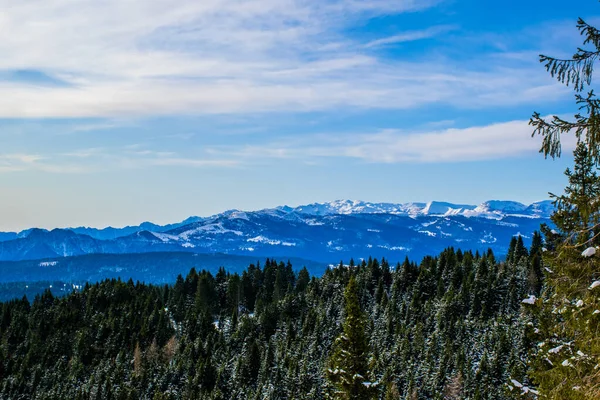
(490, 209)
(322, 232)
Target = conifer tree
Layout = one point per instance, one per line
(577, 209)
(348, 368)
(567, 361)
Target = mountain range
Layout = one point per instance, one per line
(324, 232)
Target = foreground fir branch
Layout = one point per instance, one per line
(576, 72)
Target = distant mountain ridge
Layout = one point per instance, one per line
(488, 209)
(496, 209)
(324, 232)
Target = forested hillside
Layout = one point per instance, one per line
(451, 327)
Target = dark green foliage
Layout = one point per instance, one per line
(565, 362)
(348, 368)
(577, 72)
(450, 327)
(577, 210)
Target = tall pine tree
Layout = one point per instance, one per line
(567, 360)
(568, 357)
(348, 368)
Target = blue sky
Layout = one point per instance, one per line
(112, 113)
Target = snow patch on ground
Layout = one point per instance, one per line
(238, 215)
(398, 248)
(164, 237)
(508, 224)
(262, 239)
(48, 263)
(442, 233)
(590, 251)
(520, 234)
(488, 238)
(209, 229)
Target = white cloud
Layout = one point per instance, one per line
(433, 143)
(410, 36)
(495, 141)
(103, 159)
(18, 162)
(138, 58)
(450, 145)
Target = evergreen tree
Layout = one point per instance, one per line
(566, 363)
(348, 368)
(577, 213)
(567, 360)
(124, 340)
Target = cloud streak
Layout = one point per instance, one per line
(391, 146)
(410, 36)
(90, 160)
(429, 144)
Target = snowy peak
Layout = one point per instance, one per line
(490, 209)
(502, 206)
(233, 214)
(345, 207)
(443, 208)
(542, 209)
(499, 209)
(235, 219)
(336, 230)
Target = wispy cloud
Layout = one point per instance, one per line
(17, 162)
(85, 153)
(431, 143)
(96, 126)
(34, 162)
(478, 143)
(105, 159)
(191, 162)
(181, 136)
(411, 36)
(140, 58)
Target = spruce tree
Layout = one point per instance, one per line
(567, 359)
(348, 368)
(577, 209)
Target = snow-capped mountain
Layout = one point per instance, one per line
(357, 207)
(325, 232)
(489, 209)
(505, 207)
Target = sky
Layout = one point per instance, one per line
(118, 112)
